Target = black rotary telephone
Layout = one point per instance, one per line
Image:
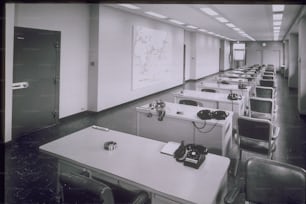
(159, 106)
(191, 155)
(208, 114)
(234, 96)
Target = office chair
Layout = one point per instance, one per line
(270, 77)
(79, 189)
(256, 135)
(209, 90)
(267, 83)
(190, 102)
(262, 108)
(270, 182)
(264, 92)
(267, 73)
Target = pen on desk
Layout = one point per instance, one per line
(100, 128)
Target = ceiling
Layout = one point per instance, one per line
(254, 19)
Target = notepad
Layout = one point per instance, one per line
(170, 148)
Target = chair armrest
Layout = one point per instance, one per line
(141, 198)
(275, 132)
(231, 196)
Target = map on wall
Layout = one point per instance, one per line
(152, 56)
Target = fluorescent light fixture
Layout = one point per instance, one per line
(130, 6)
(222, 20)
(209, 11)
(278, 8)
(236, 29)
(176, 22)
(277, 16)
(276, 31)
(276, 27)
(155, 14)
(277, 23)
(230, 25)
(203, 30)
(191, 26)
(241, 32)
(211, 33)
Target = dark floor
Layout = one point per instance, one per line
(30, 175)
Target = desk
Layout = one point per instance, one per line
(216, 135)
(228, 88)
(137, 163)
(214, 100)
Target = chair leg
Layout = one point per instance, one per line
(238, 163)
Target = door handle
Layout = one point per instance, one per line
(20, 85)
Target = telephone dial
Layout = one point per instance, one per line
(191, 155)
(233, 96)
(208, 114)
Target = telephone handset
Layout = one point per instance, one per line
(191, 155)
(219, 115)
(208, 114)
(159, 106)
(204, 114)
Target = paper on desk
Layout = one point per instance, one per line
(170, 148)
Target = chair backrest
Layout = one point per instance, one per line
(209, 90)
(82, 189)
(264, 92)
(267, 83)
(255, 129)
(271, 77)
(189, 102)
(261, 105)
(268, 181)
(269, 73)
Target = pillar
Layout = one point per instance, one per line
(293, 61)
(302, 67)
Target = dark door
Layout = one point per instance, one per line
(35, 80)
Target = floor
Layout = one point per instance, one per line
(30, 175)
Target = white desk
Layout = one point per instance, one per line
(216, 135)
(138, 164)
(214, 100)
(228, 88)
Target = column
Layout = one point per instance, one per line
(293, 61)
(302, 67)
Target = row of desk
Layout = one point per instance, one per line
(137, 162)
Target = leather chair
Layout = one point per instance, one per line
(270, 182)
(266, 92)
(262, 108)
(256, 135)
(190, 102)
(267, 83)
(270, 77)
(79, 189)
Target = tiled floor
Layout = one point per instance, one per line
(30, 175)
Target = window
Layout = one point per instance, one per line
(239, 51)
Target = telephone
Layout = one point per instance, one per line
(242, 86)
(233, 96)
(191, 155)
(159, 106)
(207, 114)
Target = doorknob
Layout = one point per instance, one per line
(20, 85)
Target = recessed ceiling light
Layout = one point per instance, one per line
(278, 8)
(276, 27)
(211, 33)
(176, 22)
(236, 29)
(203, 30)
(209, 11)
(155, 14)
(277, 16)
(130, 6)
(230, 25)
(222, 20)
(191, 26)
(277, 23)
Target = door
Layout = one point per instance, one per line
(35, 80)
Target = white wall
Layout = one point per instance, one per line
(272, 53)
(9, 51)
(115, 57)
(72, 20)
(205, 55)
(187, 41)
(293, 61)
(302, 66)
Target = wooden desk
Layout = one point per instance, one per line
(227, 88)
(216, 135)
(214, 100)
(138, 164)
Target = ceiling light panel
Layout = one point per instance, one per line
(222, 20)
(130, 6)
(277, 16)
(176, 22)
(155, 14)
(230, 25)
(203, 30)
(278, 8)
(277, 23)
(209, 11)
(191, 26)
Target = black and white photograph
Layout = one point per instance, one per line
(153, 102)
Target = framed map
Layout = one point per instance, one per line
(152, 56)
